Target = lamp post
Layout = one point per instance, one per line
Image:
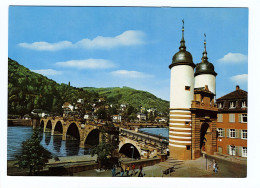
(132, 147)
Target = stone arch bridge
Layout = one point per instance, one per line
(139, 145)
(86, 133)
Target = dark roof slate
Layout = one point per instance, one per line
(237, 94)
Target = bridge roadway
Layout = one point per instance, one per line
(145, 145)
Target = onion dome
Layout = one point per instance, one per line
(182, 57)
(205, 67)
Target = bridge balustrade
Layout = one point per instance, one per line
(143, 137)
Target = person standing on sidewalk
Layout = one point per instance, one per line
(215, 167)
(133, 168)
(122, 171)
(113, 171)
(127, 170)
(140, 171)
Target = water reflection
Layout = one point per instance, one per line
(57, 140)
(47, 137)
(54, 144)
(61, 148)
(72, 147)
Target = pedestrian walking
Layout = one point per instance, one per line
(215, 167)
(127, 170)
(140, 171)
(114, 171)
(133, 169)
(122, 171)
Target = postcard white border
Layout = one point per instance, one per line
(253, 87)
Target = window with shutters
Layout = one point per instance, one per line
(232, 150)
(232, 118)
(220, 117)
(220, 105)
(244, 118)
(232, 133)
(244, 152)
(220, 132)
(244, 134)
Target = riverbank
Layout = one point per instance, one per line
(20, 122)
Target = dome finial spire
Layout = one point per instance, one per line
(204, 57)
(205, 42)
(182, 46)
(182, 29)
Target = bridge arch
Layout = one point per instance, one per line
(48, 127)
(92, 138)
(129, 149)
(73, 131)
(58, 128)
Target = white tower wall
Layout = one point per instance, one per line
(206, 79)
(181, 76)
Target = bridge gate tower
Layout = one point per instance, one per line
(192, 128)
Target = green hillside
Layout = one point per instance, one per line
(127, 95)
(28, 90)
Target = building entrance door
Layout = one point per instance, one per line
(203, 140)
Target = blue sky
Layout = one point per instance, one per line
(128, 46)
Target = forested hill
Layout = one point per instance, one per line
(28, 90)
(127, 95)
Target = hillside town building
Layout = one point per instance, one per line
(232, 123)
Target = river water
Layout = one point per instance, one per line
(156, 131)
(55, 144)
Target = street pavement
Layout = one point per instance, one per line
(202, 167)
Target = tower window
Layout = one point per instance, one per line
(187, 88)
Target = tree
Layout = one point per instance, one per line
(103, 150)
(33, 156)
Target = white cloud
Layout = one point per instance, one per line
(45, 46)
(240, 79)
(87, 64)
(233, 58)
(130, 74)
(47, 72)
(127, 38)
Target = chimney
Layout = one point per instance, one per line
(206, 88)
(237, 87)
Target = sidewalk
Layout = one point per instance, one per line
(191, 168)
